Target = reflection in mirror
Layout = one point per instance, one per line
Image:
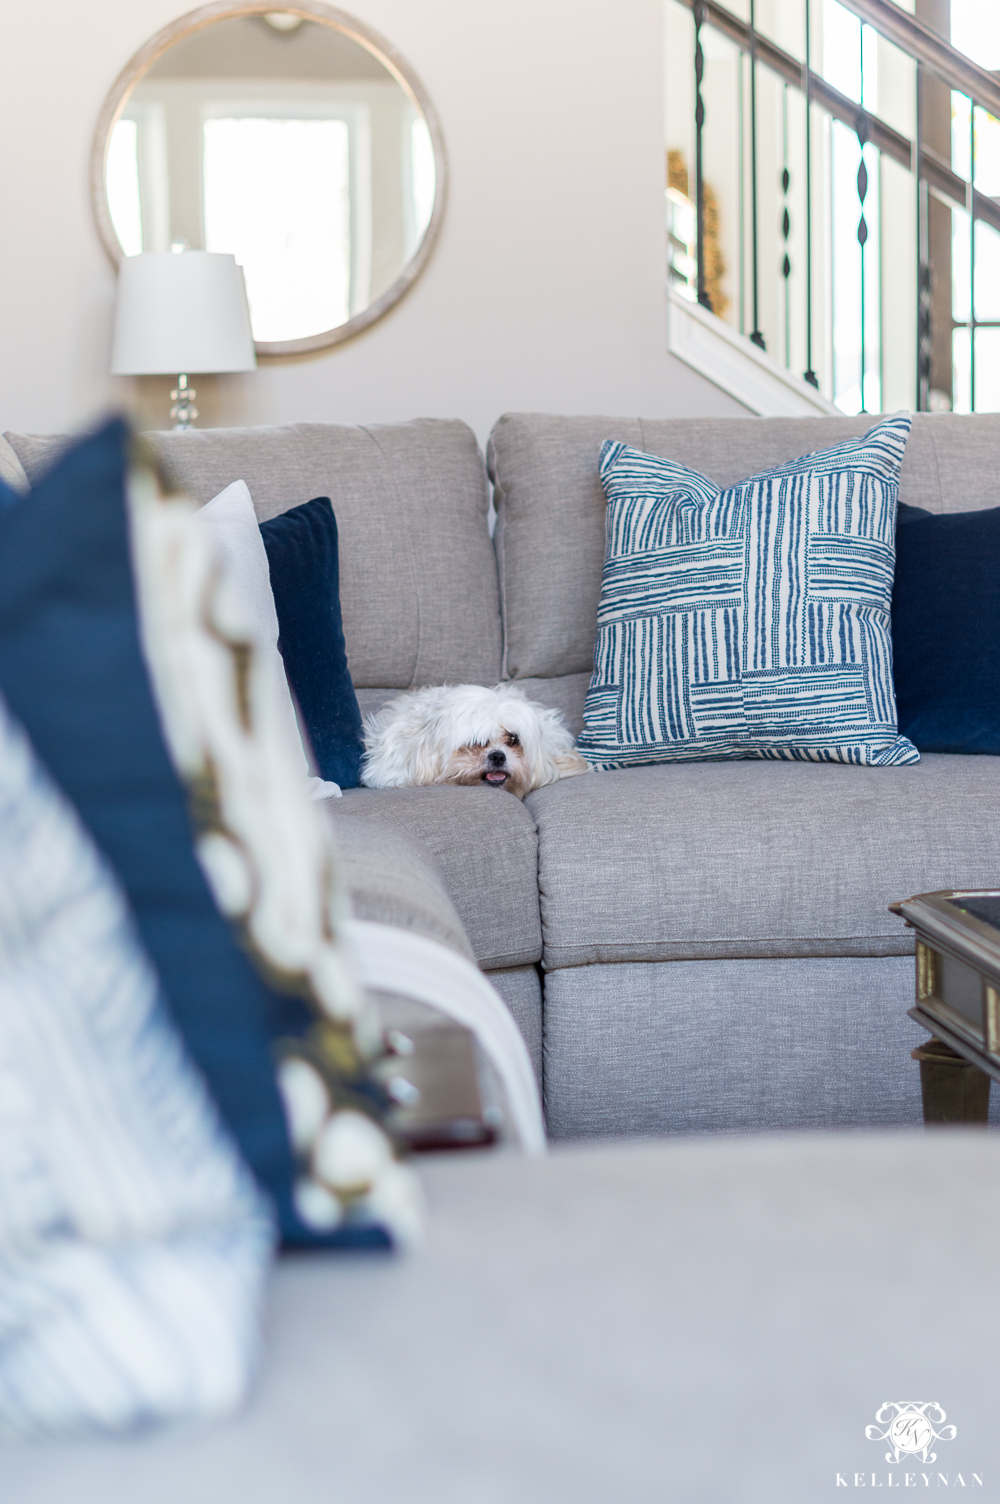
(286, 142)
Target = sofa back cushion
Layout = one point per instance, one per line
(550, 505)
(418, 581)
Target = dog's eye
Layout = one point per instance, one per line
(513, 740)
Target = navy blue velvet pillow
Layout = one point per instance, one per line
(303, 560)
(72, 671)
(946, 630)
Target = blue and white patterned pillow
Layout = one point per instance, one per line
(134, 1245)
(752, 621)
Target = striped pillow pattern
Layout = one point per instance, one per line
(752, 621)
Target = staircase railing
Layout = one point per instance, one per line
(910, 268)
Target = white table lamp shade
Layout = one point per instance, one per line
(181, 312)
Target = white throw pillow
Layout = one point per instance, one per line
(231, 522)
(270, 860)
(133, 1243)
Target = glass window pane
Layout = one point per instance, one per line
(960, 138)
(975, 30)
(422, 170)
(784, 24)
(679, 102)
(960, 268)
(988, 370)
(277, 196)
(897, 87)
(841, 60)
(123, 186)
(987, 272)
(961, 401)
(987, 154)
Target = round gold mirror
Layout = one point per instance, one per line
(291, 137)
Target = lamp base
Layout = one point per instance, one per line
(183, 411)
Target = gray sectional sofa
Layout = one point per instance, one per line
(685, 947)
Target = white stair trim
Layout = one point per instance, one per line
(734, 363)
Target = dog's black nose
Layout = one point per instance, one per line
(497, 758)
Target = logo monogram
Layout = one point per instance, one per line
(909, 1428)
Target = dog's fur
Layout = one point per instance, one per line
(467, 734)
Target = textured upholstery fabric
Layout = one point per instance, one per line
(394, 879)
(695, 860)
(946, 631)
(565, 694)
(302, 557)
(751, 621)
(521, 989)
(418, 583)
(371, 700)
(703, 1046)
(484, 843)
(550, 503)
(579, 1327)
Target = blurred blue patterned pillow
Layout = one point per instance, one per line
(752, 621)
(133, 1243)
(74, 674)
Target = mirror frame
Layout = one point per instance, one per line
(311, 10)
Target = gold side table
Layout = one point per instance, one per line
(958, 1000)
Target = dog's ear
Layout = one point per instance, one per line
(568, 764)
(401, 746)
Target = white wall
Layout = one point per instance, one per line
(545, 291)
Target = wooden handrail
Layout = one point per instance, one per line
(926, 46)
(936, 172)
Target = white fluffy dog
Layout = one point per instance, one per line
(467, 734)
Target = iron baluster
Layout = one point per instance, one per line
(786, 225)
(810, 374)
(972, 255)
(924, 329)
(741, 191)
(699, 182)
(863, 132)
(756, 335)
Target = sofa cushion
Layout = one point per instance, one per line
(670, 1047)
(484, 844)
(688, 860)
(393, 879)
(567, 693)
(521, 989)
(418, 582)
(702, 1319)
(550, 503)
